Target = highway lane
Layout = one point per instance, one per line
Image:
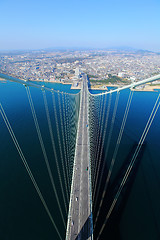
(79, 219)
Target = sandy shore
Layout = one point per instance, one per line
(100, 87)
(147, 88)
(74, 88)
(64, 83)
(3, 80)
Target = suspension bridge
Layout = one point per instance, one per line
(80, 209)
(81, 143)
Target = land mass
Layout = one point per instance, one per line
(105, 68)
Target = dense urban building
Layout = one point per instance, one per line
(103, 66)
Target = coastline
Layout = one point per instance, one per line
(103, 87)
(3, 80)
(58, 82)
(146, 88)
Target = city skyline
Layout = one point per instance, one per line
(87, 24)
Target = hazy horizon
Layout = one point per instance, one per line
(118, 48)
(34, 25)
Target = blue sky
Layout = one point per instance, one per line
(36, 24)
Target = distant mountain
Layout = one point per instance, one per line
(123, 48)
(141, 51)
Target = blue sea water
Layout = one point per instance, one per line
(137, 212)
(22, 213)
(56, 86)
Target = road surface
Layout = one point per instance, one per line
(79, 224)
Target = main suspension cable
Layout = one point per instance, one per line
(53, 145)
(127, 173)
(44, 151)
(27, 166)
(115, 152)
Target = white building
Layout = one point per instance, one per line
(120, 74)
(77, 75)
(133, 79)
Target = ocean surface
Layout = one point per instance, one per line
(137, 213)
(22, 213)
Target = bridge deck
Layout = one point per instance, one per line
(80, 219)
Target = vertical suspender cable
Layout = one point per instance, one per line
(141, 141)
(65, 140)
(99, 154)
(44, 151)
(115, 152)
(66, 135)
(64, 147)
(27, 167)
(53, 145)
(98, 132)
(103, 164)
(59, 142)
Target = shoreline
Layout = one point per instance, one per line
(59, 82)
(149, 88)
(146, 88)
(99, 87)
